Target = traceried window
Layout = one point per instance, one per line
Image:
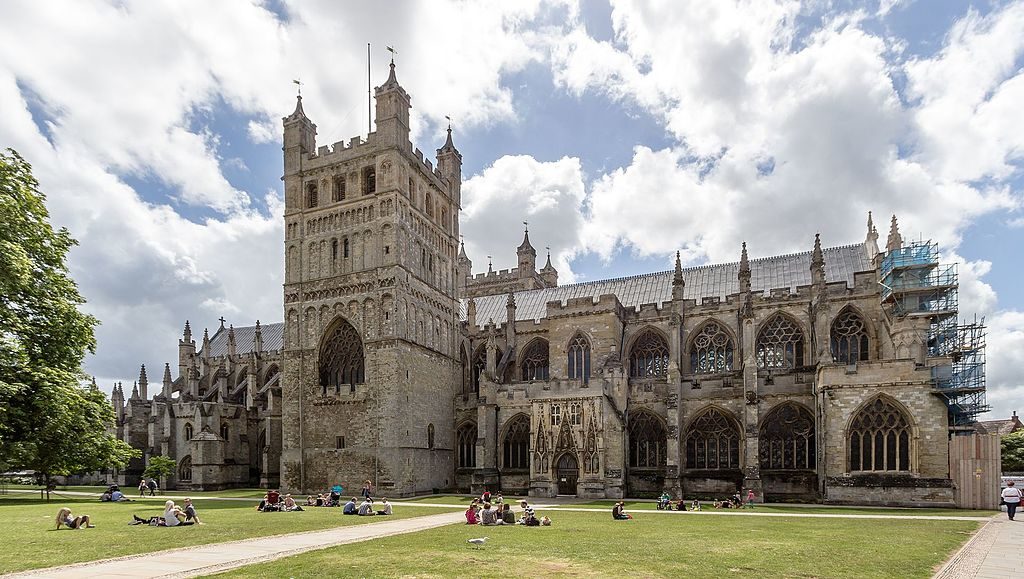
(575, 413)
(188, 431)
(312, 195)
(185, 469)
(516, 444)
(780, 344)
(369, 180)
(712, 350)
(341, 359)
(556, 414)
(466, 446)
(879, 439)
(648, 441)
(849, 338)
(787, 438)
(338, 193)
(648, 358)
(713, 442)
(535, 361)
(579, 359)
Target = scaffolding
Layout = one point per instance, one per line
(915, 284)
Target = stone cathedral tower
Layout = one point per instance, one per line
(371, 317)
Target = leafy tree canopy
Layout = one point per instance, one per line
(1013, 452)
(48, 421)
(159, 467)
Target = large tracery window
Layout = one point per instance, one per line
(341, 359)
(579, 359)
(780, 344)
(713, 442)
(879, 439)
(787, 438)
(648, 358)
(466, 444)
(648, 441)
(516, 444)
(185, 469)
(312, 195)
(849, 338)
(712, 350)
(535, 361)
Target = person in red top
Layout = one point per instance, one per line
(750, 498)
(471, 514)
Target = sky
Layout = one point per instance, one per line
(622, 131)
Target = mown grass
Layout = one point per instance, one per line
(651, 505)
(27, 528)
(133, 492)
(593, 545)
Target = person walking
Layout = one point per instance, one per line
(1011, 496)
(750, 498)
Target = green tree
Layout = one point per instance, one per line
(159, 467)
(1013, 452)
(48, 421)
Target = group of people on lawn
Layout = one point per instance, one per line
(482, 512)
(274, 502)
(665, 502)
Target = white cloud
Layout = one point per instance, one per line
(1005, 356)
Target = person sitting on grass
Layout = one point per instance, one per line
(487, 516)
(471, 514)
(507, 516)
(190, 512)
(681, 504)
(311, 501)
(173, 516)
(665, 501)
(334, 499)
(486, 497)
(529, 516)
(366, 509)
(290, 505)
(498, 500)
(350, 507)
(696, 505)
(106, 497)
(64, 517)
(545, 522)
(386, 510)
(619, 512)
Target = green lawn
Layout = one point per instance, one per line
(591, 544)
(29, 523)
(651, 505)
(133, 492)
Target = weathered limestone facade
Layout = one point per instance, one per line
(789, 375)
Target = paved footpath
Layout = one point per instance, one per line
(203, 560)
(995, 552)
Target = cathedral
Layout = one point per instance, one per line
(839, 374)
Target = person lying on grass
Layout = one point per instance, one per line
(64, 517)
(290, 504)
(173, 516)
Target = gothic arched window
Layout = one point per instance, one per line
(849, 338)
(430, 436)
(648, 358)
(188, 431)
(780, 344)
(713, 442)
(466, 445)
(879, 439)
(341, 358)
(579, 358)
(712, 350)
(787, 438)
(648, 441)
(369, 180)
(516, 444)
(312, 195)
(480, 365)
(535, 361)
(185, 469)
(339, 188)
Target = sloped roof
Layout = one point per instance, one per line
(1000, 427)
(273, 339)
(718, 280)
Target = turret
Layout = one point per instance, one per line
(871, 241)
(186, 351)
(206, 344)
(678, 283)
(463, 269)
(510, 320)
(167, 383)
(117, 401)
(527, 256)
(257, 339)
(548, 273)
(299, 143)
(471, 315)
(135, 391)
(895, 240)
(817, 262)
(143, 383)
(232, 346)
(744, 274)
(393, 105)
(449, 162)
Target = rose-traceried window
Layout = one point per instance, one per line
(880, 438)
(341, 359)
(713, 442)
(712, 350)
(648, 358)
(579, 358)
(849, 338)
(780, 344)
(535, 361)
(787, 438)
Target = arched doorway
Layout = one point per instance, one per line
(567, 472)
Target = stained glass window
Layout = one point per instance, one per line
(713, 442)
(648, 358)
(880, 439)
(712, 350)
(780, 344)
(787, 438)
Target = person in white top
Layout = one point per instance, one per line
(1011, 496)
